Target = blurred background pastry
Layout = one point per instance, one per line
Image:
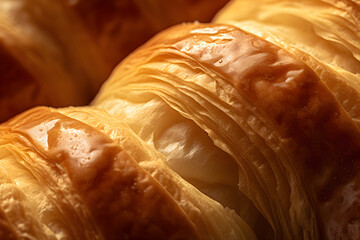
(58, 53)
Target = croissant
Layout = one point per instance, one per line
(47, 57)
(58, 53)
(207, 131)
(79, 173)
(248, 123)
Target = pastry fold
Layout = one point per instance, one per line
(247, 128)
(228, 108)
(78, 173)
(322, 33)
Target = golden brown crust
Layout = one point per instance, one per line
(314, 131)
(302, 108)
(212, 220)
(123, 200)
(317, 132)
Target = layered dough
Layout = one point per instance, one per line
(322, 33)
(74, 174)
(293, 142)
(208, 131)
(326, 29)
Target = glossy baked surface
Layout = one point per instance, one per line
(241, 129)
(84, 185)
(240, 88)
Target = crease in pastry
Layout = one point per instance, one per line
(258, 103)
(91, 178)
(326, 39)
(240, 133)
(211, 219)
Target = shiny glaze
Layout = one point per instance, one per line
(298, 106)
(123, 200)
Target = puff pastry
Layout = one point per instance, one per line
(207, 131)
(274, 128)
(79, 173)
